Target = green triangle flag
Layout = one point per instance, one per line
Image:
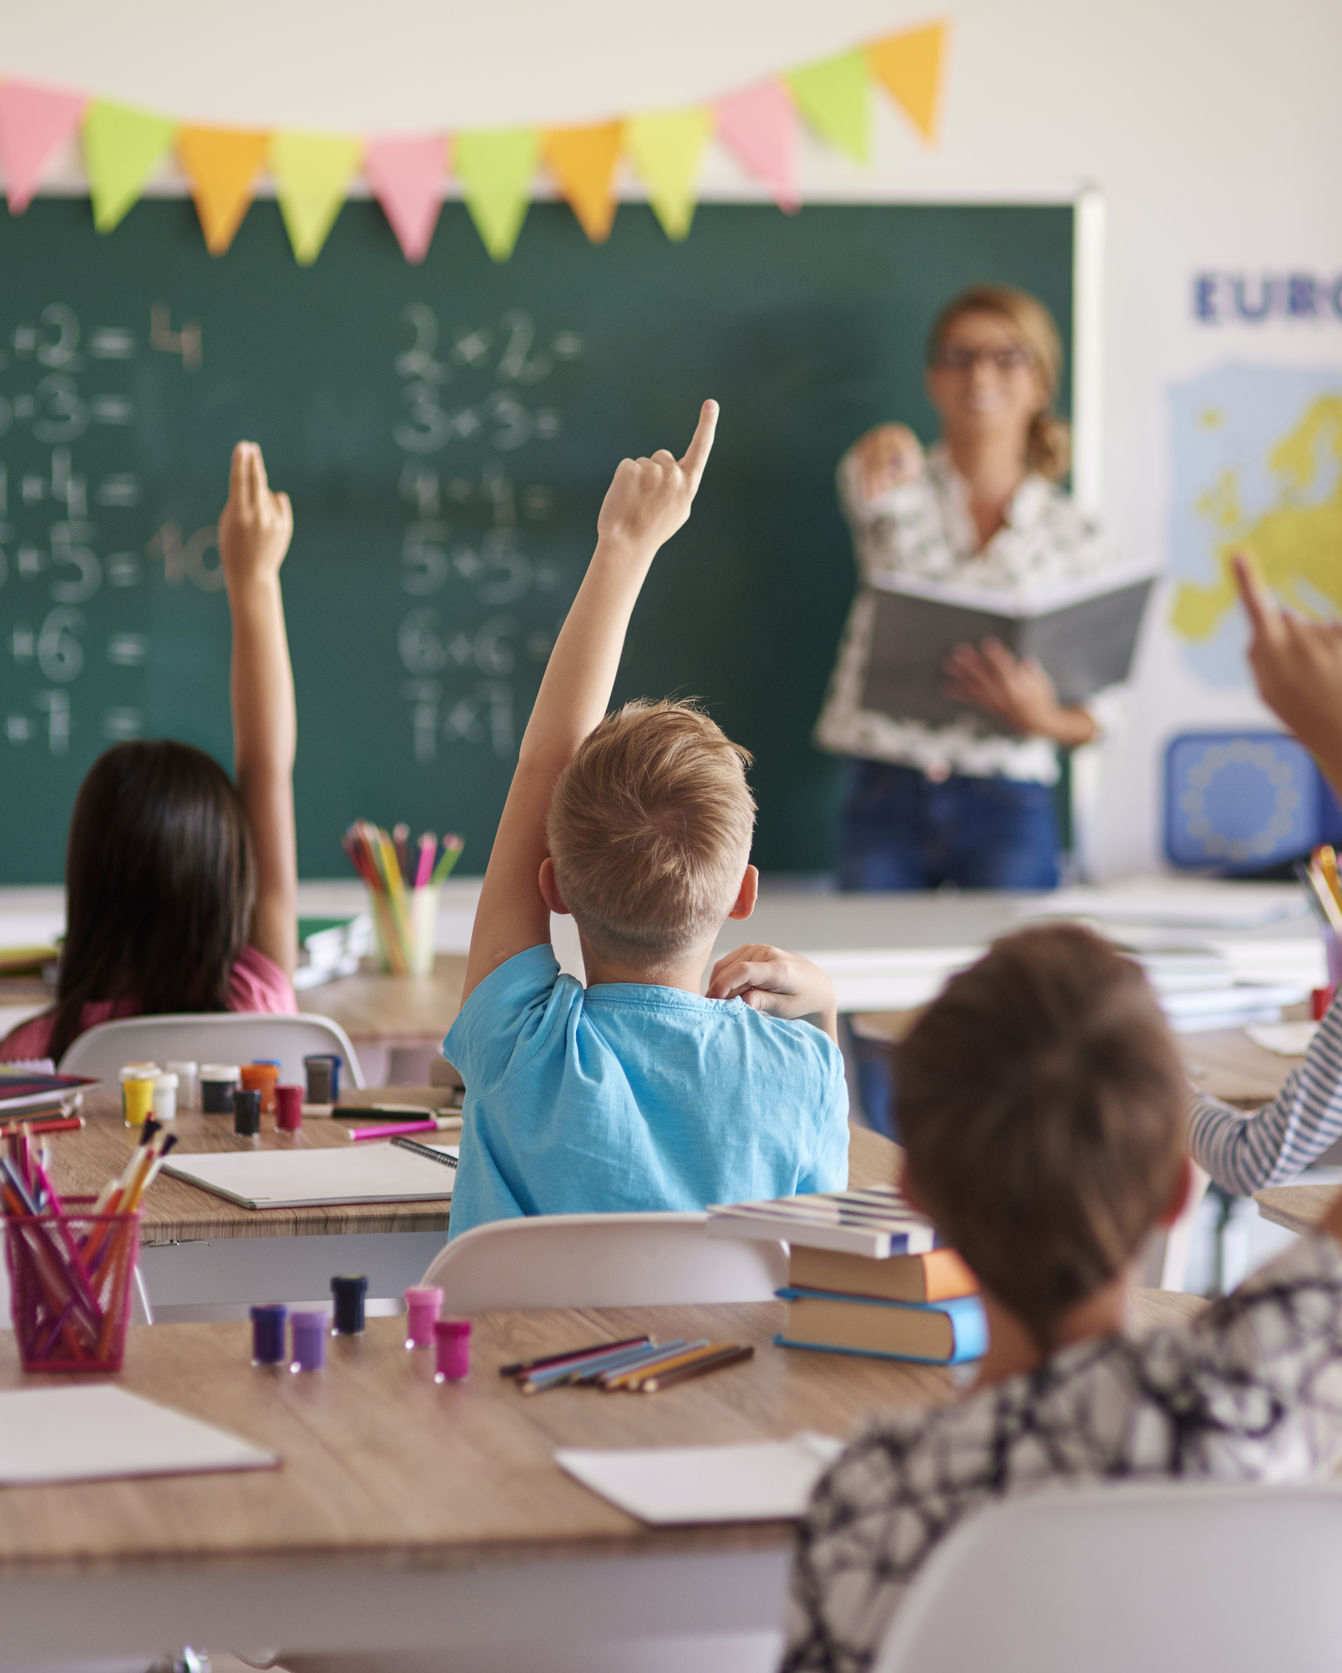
(122, 148)
(312, 173)
(833, 96)
(495, 167)
(666, 149)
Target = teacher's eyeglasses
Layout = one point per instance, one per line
(957, 359)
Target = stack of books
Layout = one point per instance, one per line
(331, 947)
(865, 1276)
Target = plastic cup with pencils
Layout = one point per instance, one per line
(405, 883)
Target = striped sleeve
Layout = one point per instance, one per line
(1247, 1150)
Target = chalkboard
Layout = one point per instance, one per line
(446, 433)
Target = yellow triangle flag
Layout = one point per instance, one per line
(495, 166)
(222, 165)
(666, 148)
(583, 161)
(312, 173)
(908, 65)
(832, 96)
(122, 148)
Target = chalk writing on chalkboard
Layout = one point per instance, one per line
(486, 386)
(59, 389)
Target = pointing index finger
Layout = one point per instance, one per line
(1259, 604)
(701, 444)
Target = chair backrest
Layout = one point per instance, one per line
(1165, 1578)
(222, 1037)
(603, 1260)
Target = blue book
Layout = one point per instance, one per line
(933, 1333)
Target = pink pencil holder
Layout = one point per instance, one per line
(71, 1275)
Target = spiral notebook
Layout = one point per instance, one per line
(395, 1172)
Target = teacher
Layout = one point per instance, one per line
(971, 802)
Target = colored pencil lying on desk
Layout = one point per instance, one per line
(590, 1369)
(614, 1380)
(522, 1367)
(701, 1366)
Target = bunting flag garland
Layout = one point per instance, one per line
(35, 122)
(758, 126)
(122, 148)
(909, 67)
(832, 96)
(666, 150)
(495, 166)
(312, 173)
(406, 177)
(222, 165)
(583, 161)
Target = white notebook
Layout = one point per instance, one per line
(100, 1432)
(311, 1178)
(755, 1481)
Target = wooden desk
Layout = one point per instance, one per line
(199, 1250)
(1297, 1207)
(406, 1515)
(1226, 1063)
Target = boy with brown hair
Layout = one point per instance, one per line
(1042, 1106)
(637, 1091)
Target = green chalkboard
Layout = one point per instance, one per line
(446, 433)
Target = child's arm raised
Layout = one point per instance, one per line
(254, 533)
(646, 503)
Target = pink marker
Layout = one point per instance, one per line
(390, 1129)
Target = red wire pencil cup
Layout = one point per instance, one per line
(71, 1274)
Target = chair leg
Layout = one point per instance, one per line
(141, 1312)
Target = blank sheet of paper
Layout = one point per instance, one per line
(100, 1432)
(757, 1481)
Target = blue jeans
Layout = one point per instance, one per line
(902, 830)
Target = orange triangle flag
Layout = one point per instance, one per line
(583, 161)
(222, 165)
(908, 65)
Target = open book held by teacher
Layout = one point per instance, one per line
(1084, 633)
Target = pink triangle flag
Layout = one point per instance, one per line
(35, 121)
(406, 177)
(759, 126)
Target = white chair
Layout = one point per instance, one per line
(1168, 1578)
(603, 1260)
(212, 1037)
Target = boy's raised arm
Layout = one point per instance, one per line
(648, 500)
(254, 532)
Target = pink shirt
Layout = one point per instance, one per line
(256, 984)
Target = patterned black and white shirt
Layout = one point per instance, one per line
(1246, 1151)
(1251, 1391)
(923, 529)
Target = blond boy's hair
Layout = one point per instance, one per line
(649, 829)
(1040, 1100)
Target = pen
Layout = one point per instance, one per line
(522, 1367)
(700, 1368)
(390, 1129)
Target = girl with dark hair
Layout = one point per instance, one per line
(181, 884)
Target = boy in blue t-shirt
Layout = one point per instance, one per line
(636, 1092)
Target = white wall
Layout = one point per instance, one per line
(1213, 128)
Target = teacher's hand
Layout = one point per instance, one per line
(1020, 693)
(885, 457)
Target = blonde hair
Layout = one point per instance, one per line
(1040, 1101)
(1048, 445)
(649, 829)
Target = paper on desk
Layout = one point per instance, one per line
(1174, 902)
(1287, 1039)
(756, 1481)
(102, 1432)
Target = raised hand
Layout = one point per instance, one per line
(1297, 666)
(649, 499)
(778, 983)
(886, 457)
(255, 526)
